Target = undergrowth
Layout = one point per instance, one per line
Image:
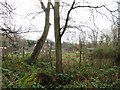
(17, 73)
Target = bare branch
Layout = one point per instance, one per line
(7, 30)
(85, 6)
(52, 5)
(66, 3)
(79, 27)
(67, 19)
(42, 5)
(95, 7)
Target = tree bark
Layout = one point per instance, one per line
(58, 47)
(117, 60)
(80, 51)
(59, 34)
(41, 41)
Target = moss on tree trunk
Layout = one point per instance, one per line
(58, 47)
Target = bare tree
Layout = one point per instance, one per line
(117, 61)
(6, 15)
(59, 33)
(41, 41)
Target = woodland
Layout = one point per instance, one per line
(91, 61)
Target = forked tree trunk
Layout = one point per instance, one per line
(41, 41)
(58, 47)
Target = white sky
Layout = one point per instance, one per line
(80, 16)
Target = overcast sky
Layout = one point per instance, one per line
(79, 16)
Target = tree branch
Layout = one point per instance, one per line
(88, 6)
(67, 19)
(52, 5)
(79, 6)
(42, 5)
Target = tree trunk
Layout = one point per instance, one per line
(41, 41)
(117, 60)
(58, 47)
(23, 52)
(80, 51)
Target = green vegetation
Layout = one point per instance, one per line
(105, 51)
(89, 56)
(17, 73)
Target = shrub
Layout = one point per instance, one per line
(105, 52)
